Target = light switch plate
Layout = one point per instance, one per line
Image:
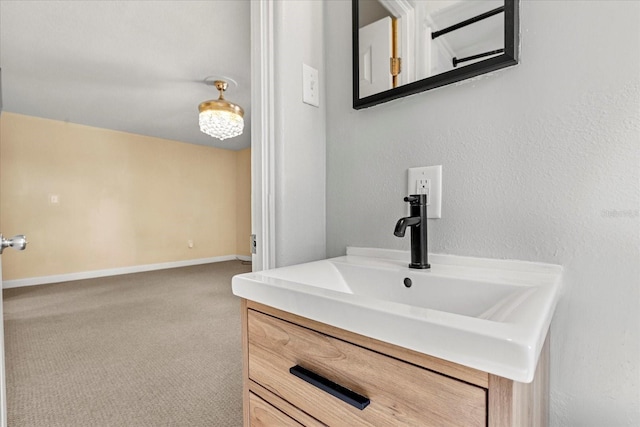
(310, 86)
(427, 180)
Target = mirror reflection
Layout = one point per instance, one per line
(401, 42)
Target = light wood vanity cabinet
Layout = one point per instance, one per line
(403, 387)
(263, 414)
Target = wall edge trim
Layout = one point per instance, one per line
(92, 274)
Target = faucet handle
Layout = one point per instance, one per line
(416, 199)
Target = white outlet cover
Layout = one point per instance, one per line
(434, 174)
(310, 86)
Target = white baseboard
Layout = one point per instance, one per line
(42, 280)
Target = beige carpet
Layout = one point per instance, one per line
(159, 348)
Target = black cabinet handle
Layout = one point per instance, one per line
(352, 398)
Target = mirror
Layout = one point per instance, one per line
(402, 47)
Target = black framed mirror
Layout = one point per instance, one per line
(403, 47)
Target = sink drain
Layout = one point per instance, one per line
(407, 282)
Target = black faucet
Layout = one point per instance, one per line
(418, 223)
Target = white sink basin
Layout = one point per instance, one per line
(492, 315)
(427, 290)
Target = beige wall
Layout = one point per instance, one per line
(243, 201)
(124, 199)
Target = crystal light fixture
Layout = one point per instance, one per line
(220, 118)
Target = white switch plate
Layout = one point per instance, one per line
(427, 180)
(310, 86)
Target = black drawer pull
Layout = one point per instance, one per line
(352, 398)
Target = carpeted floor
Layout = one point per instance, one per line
(160, 348)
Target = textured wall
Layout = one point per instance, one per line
(125, 199)
(540, 162)
(299, 134)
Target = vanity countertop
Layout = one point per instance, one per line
(488, 314)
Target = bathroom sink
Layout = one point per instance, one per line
(467, 297)
(492, 315)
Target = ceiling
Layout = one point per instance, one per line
(132, 66)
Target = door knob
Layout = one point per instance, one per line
(18, 242)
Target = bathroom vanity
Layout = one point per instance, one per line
(329, 343)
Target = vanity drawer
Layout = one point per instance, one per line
(399, 393)
(263, 414)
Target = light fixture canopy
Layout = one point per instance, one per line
(220, 118)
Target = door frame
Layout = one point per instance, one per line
(263, 135)
(3, 381)
(404, 11)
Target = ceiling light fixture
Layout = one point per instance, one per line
(220, 118)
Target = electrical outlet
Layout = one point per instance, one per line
(427, 180)
(423, 186)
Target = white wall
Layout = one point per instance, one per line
(540, 162)
(299, 134)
